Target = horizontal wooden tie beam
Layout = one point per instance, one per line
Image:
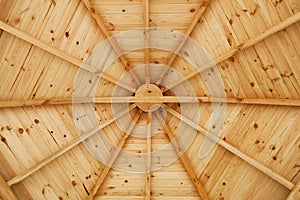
(149, 99)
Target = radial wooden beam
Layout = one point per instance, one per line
(43, 45)
(111, 40)
(6, 193)
(114, 156)
(147, 40)
(184, 159)
(55, 51)
(68, 147)
(149, 99)
(187, 33)
(252, 41)
(148, 160)
(288, 184)
(295, 193)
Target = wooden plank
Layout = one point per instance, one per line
(68, 147)
(6, 193)
(146, 41)
(252, 41)
(295, 193)
(277, 177)
(172, 7)
(148, 161)
(149, 99)
(184, 39)
(119, 190)
(113, 157)
(119, 197)
(55, 51)
(118, 8)
(6, 8)
(111, 40)
(184, 159)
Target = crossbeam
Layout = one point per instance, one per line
(149, 99)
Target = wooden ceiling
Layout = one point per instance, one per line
(255, 46)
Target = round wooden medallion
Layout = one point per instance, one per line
(147, 91)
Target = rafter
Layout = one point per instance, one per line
(149, 99)
(111, 40)
(68, 147)
(147, 39)
(295, 193)
(148, 160)
(114, 156)
(55, 51)
(6, 193)
(251, 42)
(184, 159)
(277, 177)
(187, 33)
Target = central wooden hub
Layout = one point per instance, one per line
(147, 91)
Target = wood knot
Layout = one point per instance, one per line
(192, 10)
